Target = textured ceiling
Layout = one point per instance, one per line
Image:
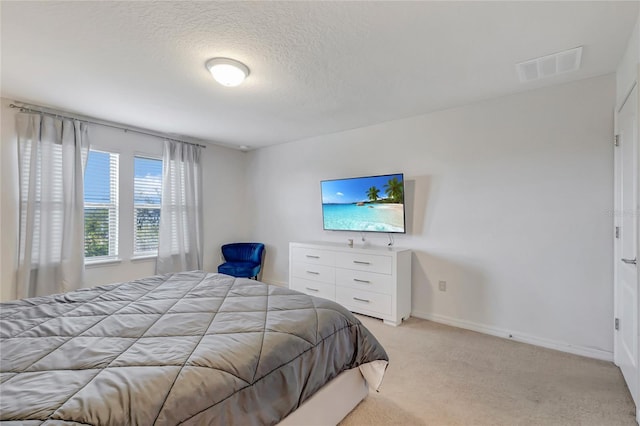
(316, 67)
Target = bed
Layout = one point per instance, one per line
(185, 348)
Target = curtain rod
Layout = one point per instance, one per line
(23, 108)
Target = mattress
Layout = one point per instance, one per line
(189, 348)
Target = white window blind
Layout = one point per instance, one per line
(147, 190)
(49, 211)
(178, 206)
(101, 205)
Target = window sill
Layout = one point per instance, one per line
(144, 257)
(101, 262)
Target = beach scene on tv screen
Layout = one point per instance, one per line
(372, 204)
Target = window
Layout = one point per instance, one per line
(43, 203)
(147, 195)
(101, 205)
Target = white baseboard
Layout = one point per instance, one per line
(518, 337)
(274, 282)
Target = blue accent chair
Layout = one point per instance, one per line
(243, 260)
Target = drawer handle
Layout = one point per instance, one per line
(361, 300)
(313, 257)
(362, 281)
(313, 272)
(312, 289)
(359, 262)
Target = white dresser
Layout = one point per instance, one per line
(374, 281)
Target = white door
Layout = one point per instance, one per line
(626, 309)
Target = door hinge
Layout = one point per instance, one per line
(616, 140)
(617, 324)
(617, 232)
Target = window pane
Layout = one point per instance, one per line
(101, 205)
(147, 225)
(96, 232)
(97, 185)
(147, 190)
(147, 181)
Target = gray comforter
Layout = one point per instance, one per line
(192, 348)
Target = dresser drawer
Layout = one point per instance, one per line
(365, 262)
(368, 281)
(314, 256)
(313, 272)
(363, 301)
(314, 288)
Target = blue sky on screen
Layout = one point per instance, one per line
(147, 179)
(353, 190)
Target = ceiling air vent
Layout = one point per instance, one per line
(550, 65)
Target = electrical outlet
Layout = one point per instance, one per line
(442, 285)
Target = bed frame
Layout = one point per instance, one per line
(332, 402)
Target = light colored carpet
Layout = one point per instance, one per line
(441, 375)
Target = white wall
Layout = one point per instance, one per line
(627, 71)
(509, 201)
(224, 174)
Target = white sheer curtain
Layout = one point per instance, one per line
(180, 239)
(52, 154)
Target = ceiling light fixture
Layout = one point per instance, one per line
(227, 72)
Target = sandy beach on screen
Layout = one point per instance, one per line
(394, 206)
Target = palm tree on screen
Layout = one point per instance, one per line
(393, 189)
(372, 193)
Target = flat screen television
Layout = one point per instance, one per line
(364, 204)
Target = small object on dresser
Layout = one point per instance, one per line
(350, 240)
